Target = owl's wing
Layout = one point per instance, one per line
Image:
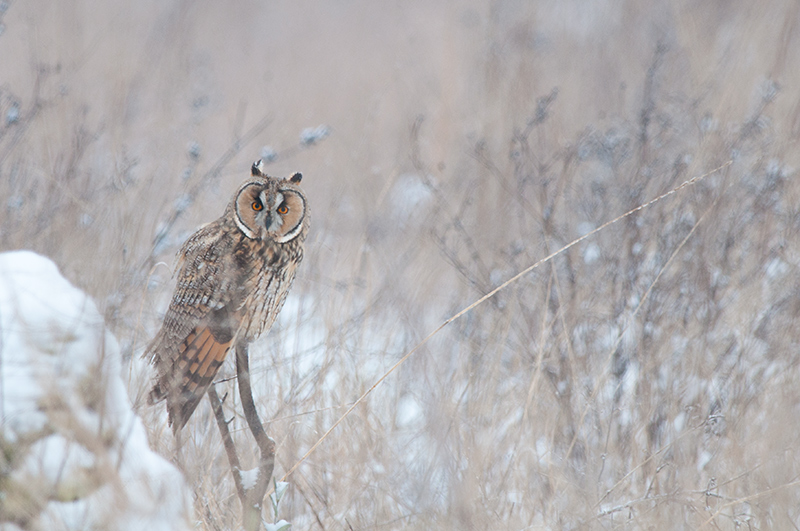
(199, 325)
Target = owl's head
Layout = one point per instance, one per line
(270, 208)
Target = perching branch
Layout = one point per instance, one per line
(252, 498)
(266, 445)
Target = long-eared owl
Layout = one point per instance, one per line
(234, 275)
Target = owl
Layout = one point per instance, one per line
(234, 276)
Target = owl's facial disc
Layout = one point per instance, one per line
(269, 210)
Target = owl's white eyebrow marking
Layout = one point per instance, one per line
(278, 199)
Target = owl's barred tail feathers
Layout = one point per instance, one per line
(191, 372)
(156, 394)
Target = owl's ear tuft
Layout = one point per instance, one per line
(257, 168)
(296, 178)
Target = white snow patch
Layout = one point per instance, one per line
(80, 449)
(408, 194)
(591, 253)
(496, 276)
(543, 451)
(776, 268)
(249, 478)
(679, 422)
(584, 228)
(409, 412)
(703, 458)
(631, 378)
(312, 135)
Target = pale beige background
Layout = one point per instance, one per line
(557, 404)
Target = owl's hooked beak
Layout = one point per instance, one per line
(272, 222)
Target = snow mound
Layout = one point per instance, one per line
(73, 455)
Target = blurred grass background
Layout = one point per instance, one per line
(637, 381)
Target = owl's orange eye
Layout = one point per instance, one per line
(257, 205)
(283, 209)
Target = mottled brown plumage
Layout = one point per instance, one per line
(234, 275)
